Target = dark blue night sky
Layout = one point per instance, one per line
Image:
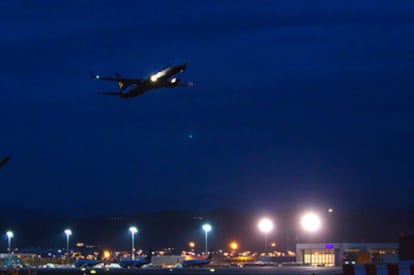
(295, 103)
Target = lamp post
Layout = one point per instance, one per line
(10, 235)
(207, 228)
(311, 223)
(68, 233)
(265, 225)
(133, 231)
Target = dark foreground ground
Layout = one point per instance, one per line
(190, 271)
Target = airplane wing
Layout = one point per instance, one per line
(4, 160)
(118, 78)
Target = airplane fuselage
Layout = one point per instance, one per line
(134, 263)
(196, 262)
(137, 263)
(86, 263)
(136, 90)
(160, 79)
(164, 78)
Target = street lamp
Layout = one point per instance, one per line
(133, 231)
(207, 228)
(191, 245)
(68, 233)
(10, 235)
(311, 223)
(265, 225)
(234, 245)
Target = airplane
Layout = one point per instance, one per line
(87, 263)
(131, 87)
(197, 262)
(137, 263)
(4, 160)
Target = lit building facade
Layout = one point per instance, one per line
(337, 254)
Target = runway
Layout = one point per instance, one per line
(195, 271)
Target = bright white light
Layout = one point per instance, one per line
(133, 230)
(311, 222)
(265, 225)
(154, 77)
(173, 80)
(10, 234)
(207, 227)
(68, 232)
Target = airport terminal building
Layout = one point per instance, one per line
(337, 254)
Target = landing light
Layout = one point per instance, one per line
(157, 76)
(154, 78)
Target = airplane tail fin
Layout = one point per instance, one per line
(94, 76)
(149, 256)
(120, 83)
